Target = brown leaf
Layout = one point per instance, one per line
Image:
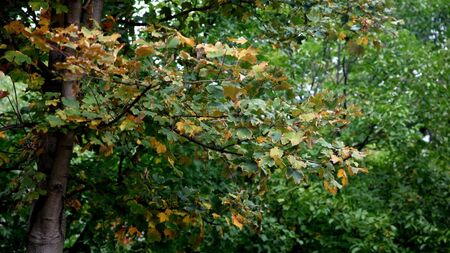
(144, 50)
(3, 93)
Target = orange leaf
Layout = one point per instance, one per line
(237, 220)
(158, 146)
(184, 40)
(330, 188)
(169, 233)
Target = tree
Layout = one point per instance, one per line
(151, 108)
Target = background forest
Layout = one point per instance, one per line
(225, 126)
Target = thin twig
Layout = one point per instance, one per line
(214, 148)
(130, 105)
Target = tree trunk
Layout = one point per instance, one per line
(46, 226)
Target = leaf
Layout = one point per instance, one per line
(237, 220)
(276, 153)
(354, 48)
(186, 41)
(294, 137)
(127, 124)
(296, 164)
(3, 93)
(169, 233)
(17, 57)
(214, 51)
(324, 143)
(248, 55)
(233, 92)
(330, 188)
(335, 159)
(144, 50)
(36, 5)
(362, 41)
(238, 41)
(342, 36)
(158, 146)
(55, 121)
(307, 117)
(173, 42)
(243, 133)
(70, 102)
(341, 174)
(163, 217)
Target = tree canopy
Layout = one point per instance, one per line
(172, 126)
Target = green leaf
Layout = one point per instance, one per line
(55, 121)
(36, 5)
(17, 57)
(71, 103)
(243, 133)
(173, 42)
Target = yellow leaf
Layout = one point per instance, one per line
(307, 117)
(188, 127)
(207, 205)
(163, 217)
(144, 50)
(260, 68)
(237, 220)
(342, 36)
(53, 102)
(248, 55)
(341, 174)
(363, 41)
(171, 161)
(238, 41)
(233, 92)
(215, 215)
(260, 139)
(186, 219)
(276, 153)
(185, 55)
(180, 126)
(2, 135)
(356, 170)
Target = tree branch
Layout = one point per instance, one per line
(214, 148)
(16, 126)
(129, 106)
